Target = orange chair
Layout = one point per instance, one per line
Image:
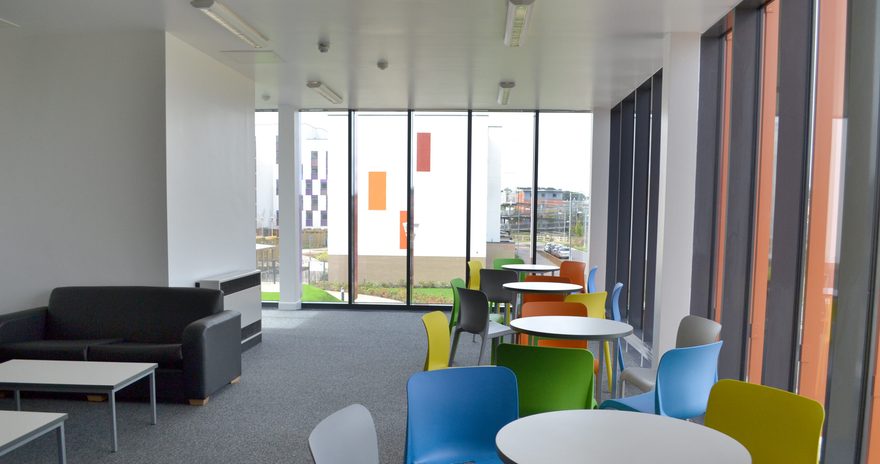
(557, 308)
(574, 270)
(534, 297)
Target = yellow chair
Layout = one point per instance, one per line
(474, 267)
(774, 425)
(437, 329)
(595, 303)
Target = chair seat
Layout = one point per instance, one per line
(637, 403)
(61, 350)
(642, 378)
(485, 457)
(498, 330)
(167, 356)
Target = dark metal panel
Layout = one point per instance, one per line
(653, 198)
(467, 219)
(792, 156)
(641, 165)
(534, 226)
(741, 191)
(624, 218)
(708, 152)
(352, 212)
(853, 325)
(409, 207)
(613, 190)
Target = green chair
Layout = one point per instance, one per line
(498, 263)
(455, 283)
(774, 425)
(549, 378)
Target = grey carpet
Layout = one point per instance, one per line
(310, 364)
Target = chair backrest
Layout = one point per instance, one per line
(456, 413)
(595, 302)
(591, 280)
(696, 330)
(492, 284)
(455, 283)
(549, 379)
(474, 314)
(685, 377)
(347, 436)
(474, 267)
(574, 270)
(615, 314)
(498, 262)
(774, 425)
(554, 308)
(437, 329)
(532, 297)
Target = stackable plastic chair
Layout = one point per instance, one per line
(692, 331)
(453, 415)
(492, 284)
(774, 425)
(574, 270)
(436, 327)
(347, 436)
(684, 380)
(591, 280)
(595, 303)
(615, 314)
(497, 263)
(554, 308)
(550, 379)
(474, 268)
(532, 297)
(455, 283)
(474, 319)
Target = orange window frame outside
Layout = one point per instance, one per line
(721, 207)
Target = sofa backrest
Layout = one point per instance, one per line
(135, 314)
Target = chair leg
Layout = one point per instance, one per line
(455, 334)
(482, 347)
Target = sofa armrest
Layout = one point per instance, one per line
(211, 353)
(23, 326)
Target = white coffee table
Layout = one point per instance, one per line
(614, 436)
(533, 268)
(538, 287)
(19, 428)
(77, 377)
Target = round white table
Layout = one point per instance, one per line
(614, 436)
(578, 328)
(538, 287)
(533, 268)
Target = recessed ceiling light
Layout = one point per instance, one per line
(518, 14)
(222, 15)
(324, 91)
(504, 91)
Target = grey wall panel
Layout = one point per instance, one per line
(641, 166)
(653, 192)
(624, 218)
(613, 187)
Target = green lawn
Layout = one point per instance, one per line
(420, 295)
(310, 294)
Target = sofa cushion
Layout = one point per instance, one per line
(167, 355)
(134, 314)
(66, 350)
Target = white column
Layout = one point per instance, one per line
(678, 166)
(599, 193)
(290, 209)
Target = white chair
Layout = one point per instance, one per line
(692, 331)
(347, 436)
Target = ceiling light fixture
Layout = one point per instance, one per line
(233, 23)
(504, 91)
(518, 14)
(324, 91)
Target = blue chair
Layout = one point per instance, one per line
(685, 377)
(615, 314)
(591, 280)
(454, 414)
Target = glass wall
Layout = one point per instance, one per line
(266, 132)
(324, 190)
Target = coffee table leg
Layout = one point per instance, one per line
(112, 396)
(614, 392)
(17, 400)
(600, 385)
(62, 452)
(153, 395)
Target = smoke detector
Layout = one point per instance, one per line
(323, 46)
(382, 64)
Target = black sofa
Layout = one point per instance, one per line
(196, 344)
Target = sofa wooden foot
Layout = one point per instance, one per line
(235, 380)
(96, 398)
(197, 402)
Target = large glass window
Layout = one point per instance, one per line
(324, 190)
(501, 187)
(564, 150)
(266, 132)
(439, 171)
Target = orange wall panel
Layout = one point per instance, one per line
(376, 190)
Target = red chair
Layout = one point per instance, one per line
(534, 297)
(574, 270)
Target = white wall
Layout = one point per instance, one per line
(82, 163)
(210, 165)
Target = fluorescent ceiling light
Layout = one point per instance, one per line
(233, 23)
(504, 91)
(518, 14)
(324, 91)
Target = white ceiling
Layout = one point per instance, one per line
(578, 55)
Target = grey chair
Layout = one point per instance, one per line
(474, 319)
(347, 436)
(492, 284)
(692, 331)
